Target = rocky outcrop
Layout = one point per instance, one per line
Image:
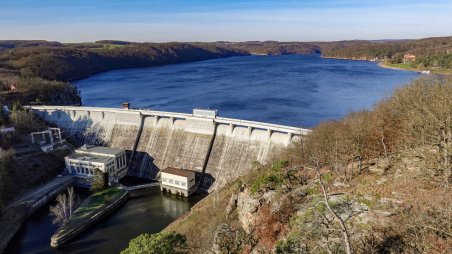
(226, 240)
(265, 216)
(247, 207)
(232, 204)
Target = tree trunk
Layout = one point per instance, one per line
(71, 198)
(446, 140)
(359, 164)
(384, 145)
(353, 162)
(341, 222)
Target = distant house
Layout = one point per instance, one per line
(408, 58)
(87, 158)
(12, 87)
(178, 181)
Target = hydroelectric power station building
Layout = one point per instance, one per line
(87, 158)
(178, 181)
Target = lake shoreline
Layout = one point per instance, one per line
(384, 65)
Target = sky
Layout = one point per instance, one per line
(230, 20)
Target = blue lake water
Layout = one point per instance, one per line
(294, 90)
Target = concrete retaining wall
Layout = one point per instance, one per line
(47, 197)
(177, 140)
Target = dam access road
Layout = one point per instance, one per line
(220, 149)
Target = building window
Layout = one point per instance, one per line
(177, 182)
(184, 184)
(170, 181)
(164, 180)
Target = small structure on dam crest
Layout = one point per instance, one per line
(178, 181)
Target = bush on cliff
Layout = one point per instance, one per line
(272, 178)
(159, 243)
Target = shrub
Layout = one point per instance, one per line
(159, 243)
(99, 181)
(272, 179)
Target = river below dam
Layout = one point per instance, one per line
(294, 90)
(147, 211)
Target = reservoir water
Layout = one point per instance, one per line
(294, 90)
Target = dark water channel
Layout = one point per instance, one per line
(147, 211)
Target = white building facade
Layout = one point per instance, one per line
(178, 181)
(87, 159)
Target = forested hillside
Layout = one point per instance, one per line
(38, 71)
(273, 47)
(429, 52)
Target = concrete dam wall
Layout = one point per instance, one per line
(221, 148)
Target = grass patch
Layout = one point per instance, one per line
(96, 201)
(271, 179)
(413, 67)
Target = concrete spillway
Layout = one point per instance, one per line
(223, 148)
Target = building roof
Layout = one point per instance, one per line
(91, 158)
(178, 171)
(99, 150)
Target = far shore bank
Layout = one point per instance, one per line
(441, 71)
(344, 58)
(384, 65)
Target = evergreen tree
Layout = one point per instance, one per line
(99, 181)
(17, 106)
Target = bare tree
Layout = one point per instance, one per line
(341, 222)
(425, 107)
(63, 209)
(336, 217)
